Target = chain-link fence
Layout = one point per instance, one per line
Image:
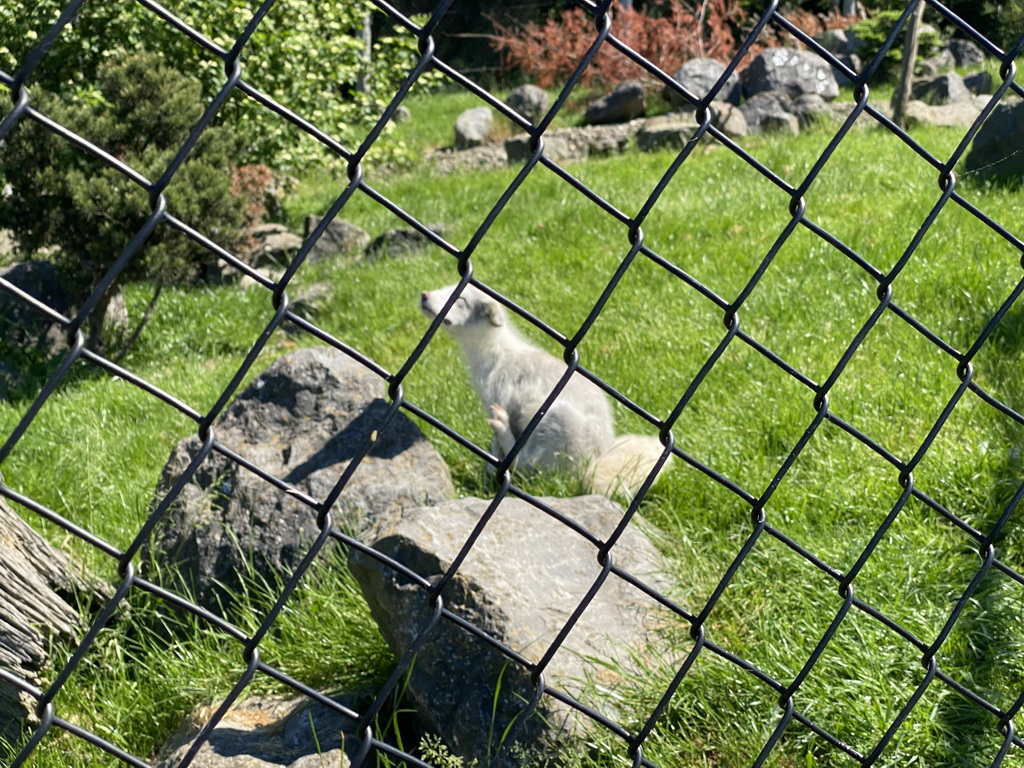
(627, 736)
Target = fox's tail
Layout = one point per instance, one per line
(623, 468)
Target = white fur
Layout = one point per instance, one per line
(513, 378)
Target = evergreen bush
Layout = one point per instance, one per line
(873, 32)
(63, 198)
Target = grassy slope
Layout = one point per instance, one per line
(553, 251)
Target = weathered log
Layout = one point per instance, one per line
(37, 583)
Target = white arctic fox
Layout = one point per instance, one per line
(513, 378)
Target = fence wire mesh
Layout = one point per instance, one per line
(996, 709)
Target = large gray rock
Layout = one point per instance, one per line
(941, 89)
(966, 53)
(623, 104)
(23, 326)
(769, 111)
(995, 151)
(851, 61)
(520, 583)
(341, 238)
(530, 101)
(698, 76)
(790, 71)
(267, 733)
(39, 609)
(473, 127)
(302, 420)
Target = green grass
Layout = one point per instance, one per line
(553, 251)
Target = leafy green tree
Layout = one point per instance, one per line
(1001, 21)
(60, 196)
(1005, 21)
(307, 55)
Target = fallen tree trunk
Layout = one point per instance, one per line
(37, 585)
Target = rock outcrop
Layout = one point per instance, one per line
(520, 583)
(302, 420)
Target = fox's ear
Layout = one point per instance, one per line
(495, 313)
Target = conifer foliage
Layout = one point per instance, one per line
(62, 198)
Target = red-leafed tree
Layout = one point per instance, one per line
(667, 34)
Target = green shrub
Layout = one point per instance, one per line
(873, 33)
(62, 197)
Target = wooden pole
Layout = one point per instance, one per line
(902, 95)
(366, 33)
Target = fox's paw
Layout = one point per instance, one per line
(502, 426)
(500, 422)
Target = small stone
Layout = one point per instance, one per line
(979, 82)
(665, 131)
(395, 243)
(473, 127)
(621, 105)
(272, 244)
(948, 88)
(728, 119)
(770, 106)
(781, 123)
(808, 108)
(267, 733)
(530, 101)
(340, 238)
